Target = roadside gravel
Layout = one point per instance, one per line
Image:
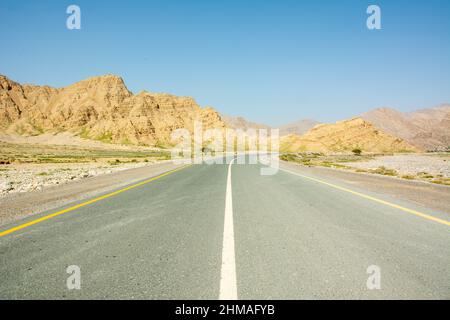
(436, 165)
(17, 205)
(19, 178)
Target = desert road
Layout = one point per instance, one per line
(226, 231)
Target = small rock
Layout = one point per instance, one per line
(6, 186)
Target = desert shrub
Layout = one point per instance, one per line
(288, 157)
(105, 137)
(425, 175)
(384, 171)
(115, 162)
(444, 181)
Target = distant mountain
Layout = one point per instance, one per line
(298, 127)
(428, 129)
(344, 136)
(242, 123)
(100, 108)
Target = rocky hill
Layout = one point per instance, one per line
(428, 129)
(100, 108)
(242, 123)
(298, 127)
(344, 136)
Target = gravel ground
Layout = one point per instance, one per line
(19, 178)
(410, 164)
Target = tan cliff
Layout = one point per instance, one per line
(100, 108)
(344, 136)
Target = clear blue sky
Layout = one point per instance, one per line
(270, 61)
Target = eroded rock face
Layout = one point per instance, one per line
(99, 108)
(344, 136)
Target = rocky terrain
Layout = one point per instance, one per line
(428, 129)
(345, 136)
(99, 108)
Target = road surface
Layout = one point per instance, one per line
(226, 231)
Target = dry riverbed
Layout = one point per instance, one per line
(430, 167)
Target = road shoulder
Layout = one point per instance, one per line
(423, 194)
(20, 205)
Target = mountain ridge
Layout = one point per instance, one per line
(99, 108)
(345, 136)
(428, 129)
(239, 122)
(103, 108)
(298, 127)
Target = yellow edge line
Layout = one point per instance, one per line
(52, 215)
(362, 195)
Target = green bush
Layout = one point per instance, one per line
(357, 151)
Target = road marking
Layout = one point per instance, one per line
(362, 195)
(52, 215)
(228, 286)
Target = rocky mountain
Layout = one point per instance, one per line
(298, 127)
(242, 123)
(100, 108)
(428, 129)
(344, 136)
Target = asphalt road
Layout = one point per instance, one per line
(204, 233)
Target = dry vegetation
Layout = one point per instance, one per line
(29, 153)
